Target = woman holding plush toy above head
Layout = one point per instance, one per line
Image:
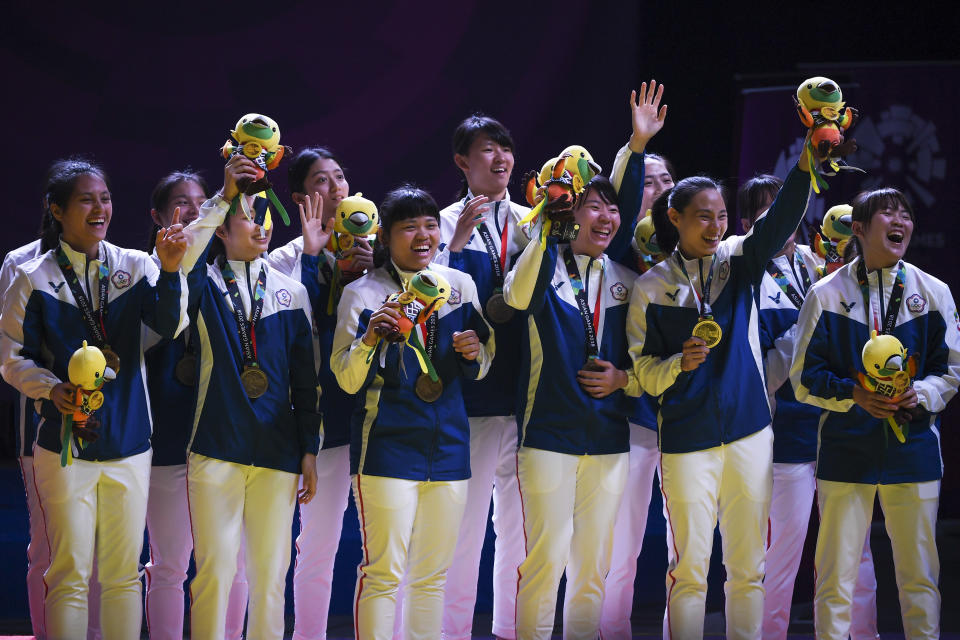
(92, 482)
(256, 427)
(878, 350)
(407, 358)
(311, 259)
(171, 382)
(483, 238)
(694, 343)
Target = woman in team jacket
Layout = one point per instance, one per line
(409, 450)
(714, 419)
(859, 455)
(83, 288)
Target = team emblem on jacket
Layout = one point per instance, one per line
(283, 297)
(673, 296)
(724, 270)
(847, 307)
(916, 303)
(776, 298)
(56, 287)
(120, 279)
(618, 291)
(454, 296)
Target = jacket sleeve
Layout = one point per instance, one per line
(165, 307)
(654, 374)
(778, 359)
(21, 341)
(304, 385)
(942, 362)
(476, 369)
(351, 360)
(525, 286)
(814, 381)
(200, 231)
(627, 177)
(770, 232)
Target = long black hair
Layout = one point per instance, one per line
(58, 187)
(405, 202)
(160, 197)
(468, 131)
(300, 167)
(678, 198)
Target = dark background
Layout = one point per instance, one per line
(147, 88)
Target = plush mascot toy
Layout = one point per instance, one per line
(356, 217)
(423, 296)
(888, 372)
(258, 138)
(554, 192)
(821, 109)
(87, 370)
(835, 233)
(645, 239)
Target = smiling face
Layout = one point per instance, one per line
(186, 194)
(243, 239)
(413, 242)
(885, 237)
(487, 167)
(326, 178)
(701, 224)
(656, 180)
(86, 217)
(598, 222)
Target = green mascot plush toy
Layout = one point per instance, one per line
(258, 138)
(822, 110)
(356, 217)
(835, 232)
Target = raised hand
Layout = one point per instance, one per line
(239, 169)
(171, 244)
(315, 231)
(470, 218)
(647, 115)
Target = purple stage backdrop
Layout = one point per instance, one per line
(907, 136)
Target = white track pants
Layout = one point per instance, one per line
(628, 535)
(570, 504)
(171, 543)
(321, 521)
(910, 515)
(408, 527)
(90, 506)
(228, 501)
(731, 482)
(493, 468)
(794, 485)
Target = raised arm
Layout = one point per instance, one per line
(526, 283)
(353, 357)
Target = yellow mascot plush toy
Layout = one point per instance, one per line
(822, 110)
(356, 217)
(87, 369)
(835, 232)
(257, 137)
(888, 372)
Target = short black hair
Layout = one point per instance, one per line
(754, 193)
(300, 167)
(405, 202)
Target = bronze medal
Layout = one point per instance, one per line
(709, 331)
(427, 389)
(254, 381)
(498, 310)
(186, 370)
(592, 365)
(113, 360)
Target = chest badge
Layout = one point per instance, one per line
(283, 297)
(776, 298)
(916, 303)
(618, 291)
(120, 279)
(847, 307)
(673, 296)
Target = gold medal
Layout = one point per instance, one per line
(186, 370)
(708, 331)
(498, 310)
(95, 400)
(113, 360)
(901, 381)
(427, 389)
(254, 381)
(406, 297)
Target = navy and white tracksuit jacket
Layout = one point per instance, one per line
(394, 433)
(24, 410)
(831, 332)
(554, 412)
(42, 327)
(496, 393)
(277, 429)
(794, 422)
(336, 405)
(724, 399)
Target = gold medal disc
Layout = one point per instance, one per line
(498, 310)
(901, 381)
(709, 331)
(254, 381)
(95, 400)
(186, 370)
(428, 390)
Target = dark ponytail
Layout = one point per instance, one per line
(58, 187)
(403, 203)
(676, 198)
